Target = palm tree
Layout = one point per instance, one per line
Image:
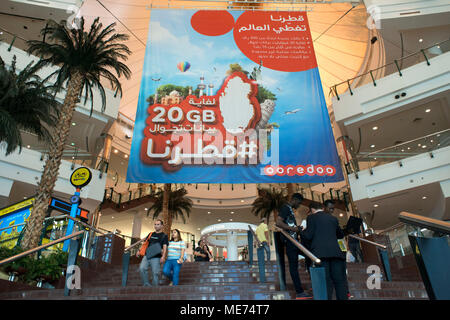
(25, 103)
(178, 206)
(83, 58)
(269, 201)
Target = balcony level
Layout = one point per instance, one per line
(412, 176)
(40, 10)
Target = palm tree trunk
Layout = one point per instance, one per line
(49, 176)
(167, 220)
(290, 190)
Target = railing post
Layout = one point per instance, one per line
(250, 247)
(125, 265)
(281, 272)
(12, 42)
(71, 261)
(373, 79)
(261, 264)
(385, 262)
(398, 68)
(319, 283)
(336, 93)
(426, 58)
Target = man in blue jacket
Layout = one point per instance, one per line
(323, 231)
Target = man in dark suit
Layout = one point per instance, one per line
(323, 231)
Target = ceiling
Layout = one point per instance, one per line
(340, 46)
(397, 127)
(389, 207)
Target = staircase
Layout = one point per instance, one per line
(218, 281)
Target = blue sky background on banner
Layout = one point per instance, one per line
(305, 137)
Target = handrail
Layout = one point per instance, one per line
(85, 224)
(368, 241)
(388, 64)
(425, 222)
(302, 248)
(31, 251)
(134, 244)
(254, 236)
(403, 143)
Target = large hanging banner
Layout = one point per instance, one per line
(231, 97)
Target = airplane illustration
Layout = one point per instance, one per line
(292, 111)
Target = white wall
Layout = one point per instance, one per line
(416, 171)
(418, 82)
(27, 167)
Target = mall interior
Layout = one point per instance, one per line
(385, 72)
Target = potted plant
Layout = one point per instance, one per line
(16, 268)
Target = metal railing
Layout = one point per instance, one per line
(421, 145)
(435, 225)
(31, 251)
(423, 55)
(382, 246)
(308, 253)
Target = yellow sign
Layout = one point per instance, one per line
(17, 206)
(81, 177)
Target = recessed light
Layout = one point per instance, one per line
(409, 148)
(375, 158)
(231, 219)
(424, 197)
(431, 141)
(72, 144)
(403, 150)
(424, 146)
(375, 128)
(219, 220)
(126, 156)
(420, 40)
(115, 150)
(375, 205)
(341, 215)
(419, 145)
(146, 209)
(232, 212)
(428, 110)
(242, 200)
(372, 146)
(112, 217)
(28, 146)
(209, 212)
(74, 123)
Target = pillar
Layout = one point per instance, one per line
(232, 249)
(137, 225)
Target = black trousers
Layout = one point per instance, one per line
(292, 253)
(355, 249)
(336, 277)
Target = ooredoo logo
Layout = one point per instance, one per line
(299, 170)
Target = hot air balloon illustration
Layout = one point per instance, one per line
(183, 66)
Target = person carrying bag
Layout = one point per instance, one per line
(153, 251)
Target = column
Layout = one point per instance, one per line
(232, 249)
(137, 225)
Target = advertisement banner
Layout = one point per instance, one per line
(231, 97)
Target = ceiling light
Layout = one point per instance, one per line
(112, 217)
(409, 148)
(420, 40)
(209, 212)
(375, 158)
(232, 212)
(72, 144)
(375, 128)
(74, 124)
(219, 220)
(403, 150)
(28, 146)
(341, 215)
(242, 200)
(146, 209)
(431, 141)
(375, 205)
(126, 156)
(424, 146)
(115, 150)
(424, 197)
(419, 145)
(372, 146)
(231, 219)
(198, 228)
(428, 110)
